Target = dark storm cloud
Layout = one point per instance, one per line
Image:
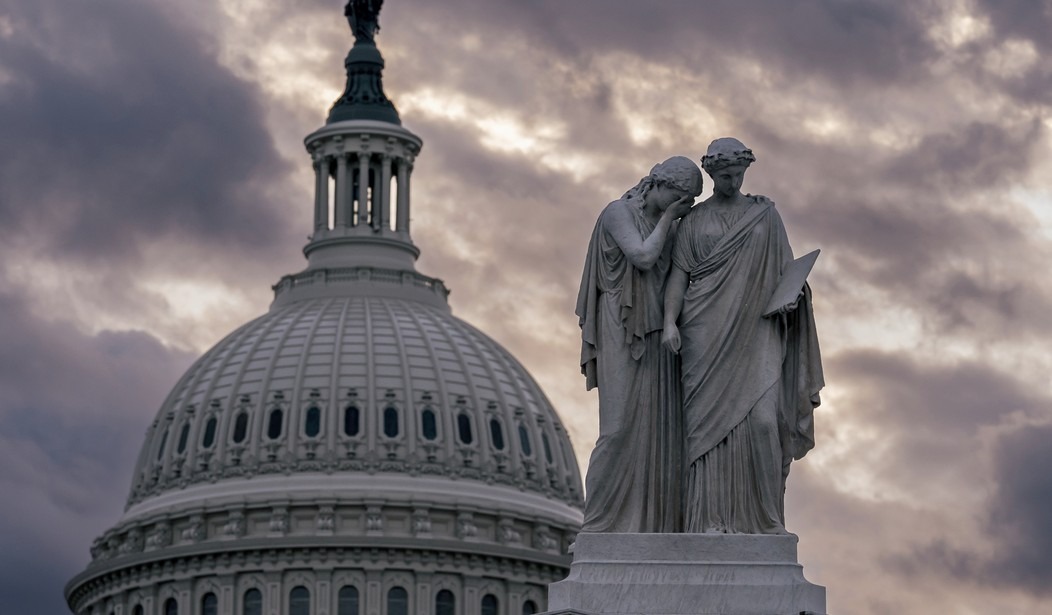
(928, 419)
(1019, 509)
(952, 400)
(120, 127)
(866, 40)
(897, 222)
(73, 410)
(933, 423)
(973, 155)
(1016, 520)
(1019, 18)
(891, 216)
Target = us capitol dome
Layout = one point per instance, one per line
(357, 450)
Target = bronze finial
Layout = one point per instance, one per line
(364, 19)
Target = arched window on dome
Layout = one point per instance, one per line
(347, 601)
(445, 603)
(209, 604)
(524, 440)
(312, 422)
(209, 437)
(464, 428)
(184, 435)
(275, 423)
(429, 424)
(529, 608)
(496, 434)
(137, 610)
(299, 601)
(547, 447)
(240, 428)
(397, 601)
(351, 421)
(252, 603)
(171, 607)
(391, 422)
(160, 448)
(490, 606)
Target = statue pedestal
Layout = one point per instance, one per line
(685, 574)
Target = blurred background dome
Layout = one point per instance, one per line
(357, 449)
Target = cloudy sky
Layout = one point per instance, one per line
(153, 184)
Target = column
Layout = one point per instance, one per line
(321, 193)
(363, 188)
(342, 191)
(402, 222)
(375, 215)
(385, 193)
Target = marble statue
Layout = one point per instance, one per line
(364, 19)
(635, 472)
(750, 381)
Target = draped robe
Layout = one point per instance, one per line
(750, 383)
(634, 475)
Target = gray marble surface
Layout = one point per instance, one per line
(681, 574)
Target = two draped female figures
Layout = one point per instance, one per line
(705, 394)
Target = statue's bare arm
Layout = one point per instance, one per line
(675, 288)
(641, 252)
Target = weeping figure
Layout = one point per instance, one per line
(635, 472)
(750, 381)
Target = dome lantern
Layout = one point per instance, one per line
(363, 160)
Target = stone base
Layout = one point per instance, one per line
(685, 574)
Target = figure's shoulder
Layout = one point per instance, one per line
(619, 211)
(760, 199)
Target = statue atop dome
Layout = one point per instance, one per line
(364, 97)
(364, 19)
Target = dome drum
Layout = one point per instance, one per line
(361, 281)
(370, 572)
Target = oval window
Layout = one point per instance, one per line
(390, 422)
(160, 449)
(184, 435)
(524, 440)
(210, 433)
(430, 425)
(464, 428)
(547, 447)
(240, 427)
(312, 424)
(351, 421)
(275, 424)
(496, 434)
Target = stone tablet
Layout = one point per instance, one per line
(791, 283)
